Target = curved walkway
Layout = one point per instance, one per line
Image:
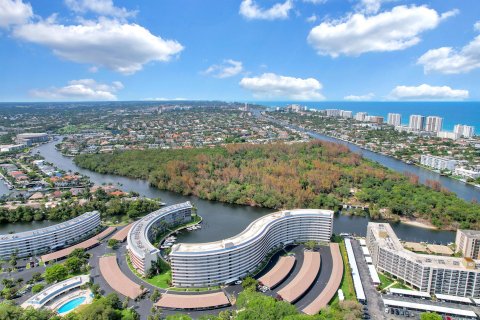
(87, 244)
(278, 273)
(193, 301)
(333, 283)
(304, 279)
(116, 279)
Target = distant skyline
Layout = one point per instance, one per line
(248, 50)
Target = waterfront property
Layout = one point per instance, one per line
(56, 291)
(140, 249)
(438, 163)
(427, 273)
(225, 261)
(34, 242)
(87, 244)
(467, 242)
(31, 138)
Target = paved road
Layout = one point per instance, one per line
(374, 300)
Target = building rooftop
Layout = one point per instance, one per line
(193, 301)
(47, 230)
(429, 307)
(54, 290)
(253, 230)
(279, 272)
(470, 233)
(138, 235)
(387, 239)
(303, 279)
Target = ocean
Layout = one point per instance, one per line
(452, 112)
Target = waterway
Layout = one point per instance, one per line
(461, 189)
(220, 220)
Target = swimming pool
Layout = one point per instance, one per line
(72, 304)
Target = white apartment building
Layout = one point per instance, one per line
(417, 122)
(468, 243)
(423, 272)
(332, 112)
(35, 242)
(225, 261)
(433, 124)
(346, 114)
(394, 119)
(374, 119)
(140, 249)
(360, 116)
(464, 130)
(448, 135)
(467, 173)
(438, 163)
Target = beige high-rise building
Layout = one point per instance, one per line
(468, 243)
(433, 124)
(417, 122)
(394, 119)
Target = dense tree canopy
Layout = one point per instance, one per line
(109, 206)
(312, 175)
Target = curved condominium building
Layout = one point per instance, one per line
(140, 249)
(43, 240)
(224, 261)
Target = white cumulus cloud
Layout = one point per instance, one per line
(270, 85)
(228, 68)
(121, 47)
(14, 12)
(100, 7)
(476, 26)
(392, 30)
(370, 6)
(251, 10)
(365, 97)
(80, 90)
(427, 92)
(448, 60)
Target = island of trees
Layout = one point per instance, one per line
(314, 174)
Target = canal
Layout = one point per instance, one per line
(461, 189)
(220, 220)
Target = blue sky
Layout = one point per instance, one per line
(239, 50)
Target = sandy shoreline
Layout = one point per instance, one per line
(419, 224)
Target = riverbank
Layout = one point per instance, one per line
(463, 190)
(407, 162)
(419, 223)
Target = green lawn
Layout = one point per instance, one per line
(399, 285)
(161, 280)
(384, 281)
(347, 281)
